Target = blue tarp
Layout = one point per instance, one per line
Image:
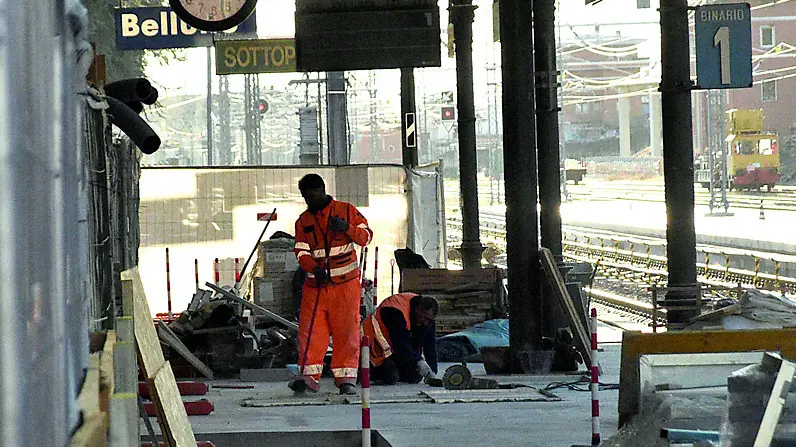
(455, 347)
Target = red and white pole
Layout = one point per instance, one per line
(217, 272)
(196, 273)
(376, 278)
(595, 383)
(237, 273)
(168, 285)
(364, 360)
(392, 277)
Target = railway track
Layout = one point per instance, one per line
(642, 262)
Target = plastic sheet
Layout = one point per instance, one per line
(455, 347)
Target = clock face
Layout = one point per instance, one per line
(213, 15)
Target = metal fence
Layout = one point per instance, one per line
(207, 213)
(624, 168)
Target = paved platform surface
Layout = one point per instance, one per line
(560, 423)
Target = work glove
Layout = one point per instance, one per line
(320, 276)
(425, 371)
(338, 224)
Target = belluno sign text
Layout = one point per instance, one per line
(723, 45)
(159, 27)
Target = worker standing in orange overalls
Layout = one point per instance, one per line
(325, 236)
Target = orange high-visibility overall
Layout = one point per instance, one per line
(335, 305)
(381, 345)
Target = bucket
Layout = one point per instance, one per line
(536, 362)
(496, 359)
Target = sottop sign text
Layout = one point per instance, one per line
(255, 56)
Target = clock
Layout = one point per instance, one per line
(213, 15)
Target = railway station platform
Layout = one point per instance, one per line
(404, 417)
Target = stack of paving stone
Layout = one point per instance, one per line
(749, 390)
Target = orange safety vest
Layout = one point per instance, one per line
(333, 251)
(373, 327)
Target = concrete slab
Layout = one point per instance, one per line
(547, 424)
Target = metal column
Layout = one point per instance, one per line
(678, 166)
(547, 124)
(462, 13)
(336, 118)
(224, 134)
(519, 161)
(408, 154)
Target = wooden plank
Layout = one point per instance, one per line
(88, 399)
(170, 410)
(93, 432)
(106, 383)
(145, 335)
(171, 339)
(125, 373)
(427, 280)
(124, 427)
(636, 344)
(127, 296)
(125, 330)
(581, 333)
(775, 403)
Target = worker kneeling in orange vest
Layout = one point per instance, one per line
(325, 238)
(401, 329)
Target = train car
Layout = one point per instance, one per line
(752, 154)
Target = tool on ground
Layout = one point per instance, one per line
(364, 359)
(168, 286)
(459, 377)
(254, 250)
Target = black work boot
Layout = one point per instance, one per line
(300, 386)
(348, 388)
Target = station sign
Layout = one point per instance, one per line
(157, 28)
(255, 56)
(723, 45)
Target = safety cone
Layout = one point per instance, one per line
(762, 213)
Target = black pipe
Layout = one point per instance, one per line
(133, 126)
(678, 158)
(152, 98)
(133, 89)
(462, 14)
(519, 163)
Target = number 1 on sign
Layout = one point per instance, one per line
(722, 40)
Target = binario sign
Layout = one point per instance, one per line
(159, 27)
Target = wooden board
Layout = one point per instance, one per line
(106, 383)
(171, 339)
(775, 403)
(170, 410)
(93, 432)
(145, 335)
(124, 428)
(582, 336)
(428, 280)
(636, 344)
(88, 399)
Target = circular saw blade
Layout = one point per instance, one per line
(457, 377)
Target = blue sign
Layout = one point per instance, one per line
(159, 27)
(723, 45)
